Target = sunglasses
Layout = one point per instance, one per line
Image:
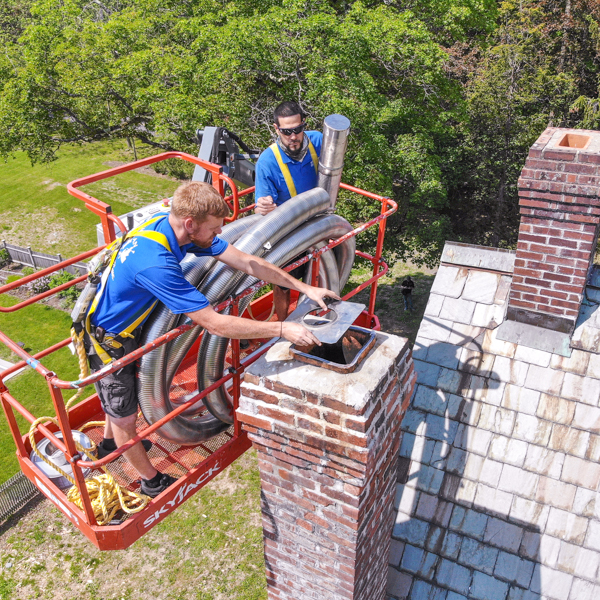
(296, 130)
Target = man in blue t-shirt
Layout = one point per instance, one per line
(147, 270)
(287, 168)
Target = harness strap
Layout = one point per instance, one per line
(285, 170)
(139, 231)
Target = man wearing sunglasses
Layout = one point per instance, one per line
(285, 169)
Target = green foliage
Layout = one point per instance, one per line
(444, 96)
(12, 278)
(4, 257)
(69, 294)
(27, 271)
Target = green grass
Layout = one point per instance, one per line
(37, 211)
(211, 548)
(38, 327)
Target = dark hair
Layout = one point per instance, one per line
(287, 109)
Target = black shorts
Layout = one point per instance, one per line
(117, 391)
(298, 272)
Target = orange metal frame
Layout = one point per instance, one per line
(113, 537)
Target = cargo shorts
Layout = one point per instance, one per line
(117, 391)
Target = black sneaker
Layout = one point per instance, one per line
(153, 491)
(102, 451)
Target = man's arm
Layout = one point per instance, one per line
(258, 267)
(245, 329)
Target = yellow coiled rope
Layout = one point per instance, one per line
(106, 495)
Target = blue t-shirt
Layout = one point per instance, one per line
(269, 179)
(145, 271)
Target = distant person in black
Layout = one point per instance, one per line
(407, 287)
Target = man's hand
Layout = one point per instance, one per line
(318, 294)
(298, 334)
(264, 205)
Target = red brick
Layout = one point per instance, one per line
(522, 304)
(559, 155)
(345, 437)
(558, 295)
(572, 306)
(580, 168)
(579, 235)
(252, 420)
(259, 395)
(250, 378)
(306, 525)
(305, 482)
(563, 242)
(281, 388)
(314, 426)
(529, 255)
(547, 166)
(323, 523)
(276, 414)
(300, 500)
(589, 158)
(331, 417)
(557, 277)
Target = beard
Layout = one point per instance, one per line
(295, 154)
(202, 243)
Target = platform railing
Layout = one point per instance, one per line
(12, 406)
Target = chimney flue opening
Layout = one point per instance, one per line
(344, 356)
(573, 140)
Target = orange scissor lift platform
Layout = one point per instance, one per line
(193, 466)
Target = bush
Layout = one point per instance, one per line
(4, 257)
(70, 294)
(27, 271)
(175, 167)
(12, 278)
(39, 285)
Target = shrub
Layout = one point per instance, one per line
(70, 294)
(4, 257)
(39, 285)
(12, 278)
(28, 271)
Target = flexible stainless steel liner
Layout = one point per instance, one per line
(336, 129)
(213, 349)
(157, 369)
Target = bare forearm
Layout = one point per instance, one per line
(243, 329)
(237, 328)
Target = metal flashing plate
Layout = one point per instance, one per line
(330, 325)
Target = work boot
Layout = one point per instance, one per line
(158, 484)
(105, 449)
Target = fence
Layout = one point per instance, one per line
(40, 260)
(15, 493)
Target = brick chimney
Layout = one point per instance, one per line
(328, 447)
(560, 213)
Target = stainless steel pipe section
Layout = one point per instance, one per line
(336, 129)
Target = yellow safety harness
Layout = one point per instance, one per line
(155, 236)
(285, 170)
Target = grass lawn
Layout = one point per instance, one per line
(209, 549)
(30, 387)
(37, 211)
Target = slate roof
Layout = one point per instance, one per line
(500, 449)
